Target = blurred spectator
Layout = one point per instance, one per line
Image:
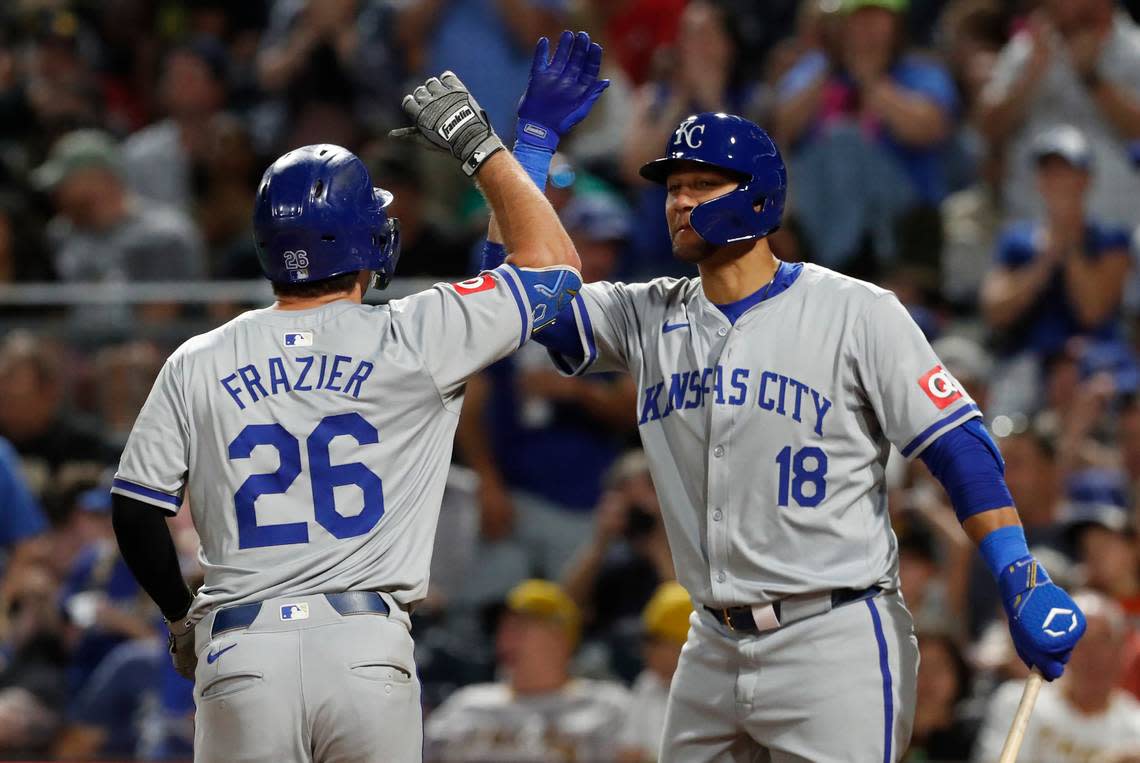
(972, 34)
(427, 246)
(942, 732)
(104, 233)
(615, 573)
(539, 712)
(334, 70)
(33, 412)
(489, 44)
(61, 83)
(21, 518)
(1128, 439)
(33, 685)
(636, 33)
(699, 77)
(1104, 537)
(1056, 278)
(1075, 62)
(521, 415)
(160, 159)
(224, 191)
(866, 135)
(105, 720)
(1081, 716)
(22, 254)
(665, 628)
(100, 595)
(123, 375)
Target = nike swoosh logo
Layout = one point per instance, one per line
(213, 656)
(673, 327)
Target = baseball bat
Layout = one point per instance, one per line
(1021, 718)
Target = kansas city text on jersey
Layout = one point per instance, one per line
(774, 392)
(303, 373)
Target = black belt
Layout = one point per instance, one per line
(348, 603)
(740, 618)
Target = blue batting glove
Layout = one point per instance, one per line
(561, 91)
(1044, 621)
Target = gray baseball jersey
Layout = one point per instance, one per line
(313, 445)
(768, 437)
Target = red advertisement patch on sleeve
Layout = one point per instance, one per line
(940, 387)
(475, 285)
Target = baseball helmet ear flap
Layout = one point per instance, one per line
(752, 210)
(385, 241)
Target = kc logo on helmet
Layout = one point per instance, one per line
(940, 387)
(690, 132)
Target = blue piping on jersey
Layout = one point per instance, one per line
(522, 307)
(921, 437)
(785, 275)
(588, 329)
(131, 487)
(888, 692)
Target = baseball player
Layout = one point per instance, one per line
(314, 437)
(770, 396)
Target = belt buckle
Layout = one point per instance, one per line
(727, 619)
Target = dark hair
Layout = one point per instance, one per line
(333, 285)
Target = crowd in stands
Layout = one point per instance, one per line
(981, 158)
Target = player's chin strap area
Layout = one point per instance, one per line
(762, 618)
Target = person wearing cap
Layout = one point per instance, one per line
(1076, 62)
(1082, 717)
(538, 712)
(665, 627)
(160, 158)
(869, 130)
(1059, 276)
(104, 233)
(1103, 536)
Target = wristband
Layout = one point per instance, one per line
(1003, 547)
(535, 160)
(535, 134)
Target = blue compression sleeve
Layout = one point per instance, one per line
(967, 463)
(1003, 547)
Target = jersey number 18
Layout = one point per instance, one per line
(803, 474)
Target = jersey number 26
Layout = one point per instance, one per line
(324, 477)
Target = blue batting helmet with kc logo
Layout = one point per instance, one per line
(728, 142)
(317, 215)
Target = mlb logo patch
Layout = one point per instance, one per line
(298, 338)
(475, 285)
(940, 387)
(298, 611)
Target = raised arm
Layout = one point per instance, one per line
(559, 94)
(447, 117)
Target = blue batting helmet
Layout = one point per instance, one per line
(729, 142)
(317, 215)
